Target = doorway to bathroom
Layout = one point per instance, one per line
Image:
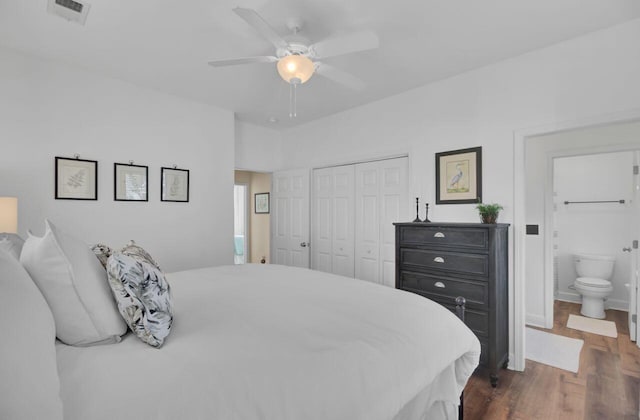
(594, 219)
(252, 217)
(582, 197)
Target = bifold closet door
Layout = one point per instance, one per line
(333, 220)
(381, 198)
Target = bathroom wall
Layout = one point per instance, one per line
(601, 228)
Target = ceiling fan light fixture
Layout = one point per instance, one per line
(295, 68)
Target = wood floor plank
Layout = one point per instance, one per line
(607, 385)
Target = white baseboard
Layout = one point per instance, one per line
(512, 364)
(535, 320)
(620, 305)
(568, 297)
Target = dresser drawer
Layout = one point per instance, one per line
(475, 292)
(474, 238)
(454, 262)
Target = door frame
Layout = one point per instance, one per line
(548, 216)
(517, 292)
(247, 215)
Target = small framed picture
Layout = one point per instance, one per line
(76, 179)
(174, 184)
(459, 176)
(261, 203)
(130, 182)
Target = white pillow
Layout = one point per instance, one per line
(11, 243)
(75, 286)
(29, 383)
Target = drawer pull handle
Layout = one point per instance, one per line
(438, 259)
(439, 284)
(438, 235)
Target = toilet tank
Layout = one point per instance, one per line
(596, 266)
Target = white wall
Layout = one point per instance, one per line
(539, 153)
(49, 109)
(588, 76)
(257, 148)
(601, 228)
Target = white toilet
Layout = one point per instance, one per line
(594, 272)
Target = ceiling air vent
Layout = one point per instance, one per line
(73, 10)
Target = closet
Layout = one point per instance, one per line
(353, 211)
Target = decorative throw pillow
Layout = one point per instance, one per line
(75, 286)
(142, 293)
(12, 244)
(29, 382)
(103, 252)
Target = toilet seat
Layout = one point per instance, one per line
(593, 282)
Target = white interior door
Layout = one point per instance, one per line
(394, 205)
(381, 199)
(343, 218)
(367, 245)
(634, 281)
(332, 220)
(290, 218)
(322, 220)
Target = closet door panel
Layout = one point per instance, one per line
(322, 226)
(393, 196)
(367, 223)
(343, 218)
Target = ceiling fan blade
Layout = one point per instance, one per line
(339, 76)
(259, 24)
(244, 60)
(357, 41)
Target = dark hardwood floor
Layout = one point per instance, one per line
(607, 384)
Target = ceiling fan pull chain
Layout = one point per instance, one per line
(292, 100)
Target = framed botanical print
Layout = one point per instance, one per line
(130, 182)
(174, 184)
(261, 203)
(459, 176)
(76, 179)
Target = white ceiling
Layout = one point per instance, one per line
(166, 44)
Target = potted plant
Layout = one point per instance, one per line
(489, 212)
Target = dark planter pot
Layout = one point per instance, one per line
(489, 218)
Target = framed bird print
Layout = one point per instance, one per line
(459, 176)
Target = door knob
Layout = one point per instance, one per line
(303, 244)
(626, 249)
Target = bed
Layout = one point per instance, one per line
(260, 342)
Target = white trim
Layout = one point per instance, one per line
(536, 321)
(617, 304)
(548, 266)
(517, 310)
(364, 160)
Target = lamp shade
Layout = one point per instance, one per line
(9, 214)
(295, 68)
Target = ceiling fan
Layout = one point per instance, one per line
(297, 59)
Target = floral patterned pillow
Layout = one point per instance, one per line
(142, 293)
(103, 252)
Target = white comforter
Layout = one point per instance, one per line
(274, 342)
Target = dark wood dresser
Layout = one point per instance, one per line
(441, 261)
